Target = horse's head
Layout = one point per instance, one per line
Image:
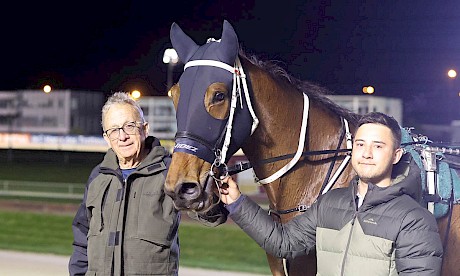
(202, 99)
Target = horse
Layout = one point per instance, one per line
(296, 139)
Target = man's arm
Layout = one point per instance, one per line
(295, 238)
(418, 246)
(78, 263)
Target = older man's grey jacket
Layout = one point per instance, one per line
(128, 227)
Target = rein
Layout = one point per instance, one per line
(328, 182)
(242, 166)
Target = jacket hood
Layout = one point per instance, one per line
(406, 179)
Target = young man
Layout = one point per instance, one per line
(376, 226)
(126, 224)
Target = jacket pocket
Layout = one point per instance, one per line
(95, 202)
(157, 217)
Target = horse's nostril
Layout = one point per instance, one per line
(188, 188)
(189, 191)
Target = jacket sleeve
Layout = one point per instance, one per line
(418, 246)
(294, 238)
(78, 263)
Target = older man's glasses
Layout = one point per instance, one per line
(129, 128)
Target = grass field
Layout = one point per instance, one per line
(223, 248)
(43, 172)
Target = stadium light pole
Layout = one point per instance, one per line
(136, 94)
(368, 89)
(170, 58)
(47, 89)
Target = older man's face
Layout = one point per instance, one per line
(127, 146)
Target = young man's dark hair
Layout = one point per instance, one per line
(383, 119)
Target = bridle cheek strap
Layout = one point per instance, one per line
(239, 77)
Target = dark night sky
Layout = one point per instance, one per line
(403, 50)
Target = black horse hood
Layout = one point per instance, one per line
(198, 132)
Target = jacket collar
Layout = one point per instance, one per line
(155, 155)
(409, 184)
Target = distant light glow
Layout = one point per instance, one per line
(452, 73)
(135, 94)
(368, 89)
(170, 56)
(47, 89)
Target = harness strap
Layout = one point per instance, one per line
(242, 166)
(303, 131)
(344, 162)
(325, 188)
(449, 222)
(331, 165)
(301, 208)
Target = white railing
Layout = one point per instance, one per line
(41, 189)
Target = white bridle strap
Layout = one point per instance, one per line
(208, 62)
(344, 162)
(300, 148)
(255, 120)
(238, 77)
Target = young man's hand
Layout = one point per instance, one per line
(229, 191)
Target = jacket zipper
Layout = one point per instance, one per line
(348, 243)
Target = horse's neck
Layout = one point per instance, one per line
(303, 182)
(280, 112)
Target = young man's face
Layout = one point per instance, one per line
(374, 154)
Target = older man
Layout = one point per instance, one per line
(126, 225)
(376, 226)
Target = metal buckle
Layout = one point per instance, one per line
(303, 208)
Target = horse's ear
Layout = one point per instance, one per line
(182, 43)
(228, 48)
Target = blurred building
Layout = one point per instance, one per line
(74, 112)
(58, 112)
(363, 104)
(71, 120)
(159, 112)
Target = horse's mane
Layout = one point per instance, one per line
(314, 91)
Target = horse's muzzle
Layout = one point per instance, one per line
(192, 196)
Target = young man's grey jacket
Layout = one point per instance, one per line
(129, 227)
(390, 234)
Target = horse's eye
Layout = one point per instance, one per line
(219, 96)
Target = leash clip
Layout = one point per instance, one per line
(218, 169)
